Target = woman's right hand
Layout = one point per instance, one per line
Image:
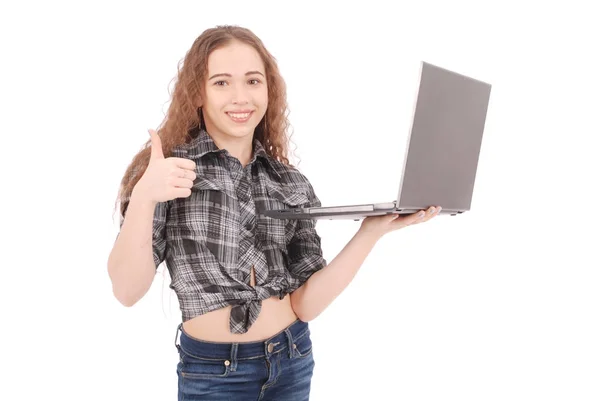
(165, 178)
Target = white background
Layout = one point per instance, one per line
(501, 303)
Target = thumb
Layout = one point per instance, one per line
(156, 151)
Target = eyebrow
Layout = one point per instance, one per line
(229, 75)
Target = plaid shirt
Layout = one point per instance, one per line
(211, 239)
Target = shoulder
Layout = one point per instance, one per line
(289, 179)
(289, 175)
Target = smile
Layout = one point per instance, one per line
(240, 117)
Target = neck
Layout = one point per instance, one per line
(240, 148)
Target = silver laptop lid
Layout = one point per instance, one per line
(445, 140)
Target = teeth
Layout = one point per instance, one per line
(239, 115)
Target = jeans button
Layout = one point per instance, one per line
(270, 347)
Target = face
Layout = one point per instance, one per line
(235, 96)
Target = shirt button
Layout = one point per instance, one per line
(249, 226)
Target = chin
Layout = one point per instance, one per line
(241, 131)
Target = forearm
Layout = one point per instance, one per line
(131, 263)
(324, 286)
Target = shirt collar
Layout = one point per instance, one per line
(198, 147)
(203, 144)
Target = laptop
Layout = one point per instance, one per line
(441, 156)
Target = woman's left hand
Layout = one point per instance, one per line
(381, 225)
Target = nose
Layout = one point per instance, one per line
(240, 95)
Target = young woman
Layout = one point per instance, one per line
(247, 285)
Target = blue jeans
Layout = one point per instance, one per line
(279, 368)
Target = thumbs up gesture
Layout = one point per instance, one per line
(165, 178)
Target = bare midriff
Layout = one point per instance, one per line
(275, 315)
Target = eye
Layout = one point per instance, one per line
(254, 81)
(220, 83)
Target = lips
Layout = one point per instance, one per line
(240, 116)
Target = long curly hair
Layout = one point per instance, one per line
(183, 117)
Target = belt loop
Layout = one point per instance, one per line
(176, 334)
(233, 356)
(290, 340)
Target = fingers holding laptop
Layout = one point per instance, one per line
(391, 222)
(419, 217)
(422, 216)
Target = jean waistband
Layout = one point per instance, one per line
(284, 340)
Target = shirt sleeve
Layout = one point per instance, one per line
(159, 243)
(305, 254)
